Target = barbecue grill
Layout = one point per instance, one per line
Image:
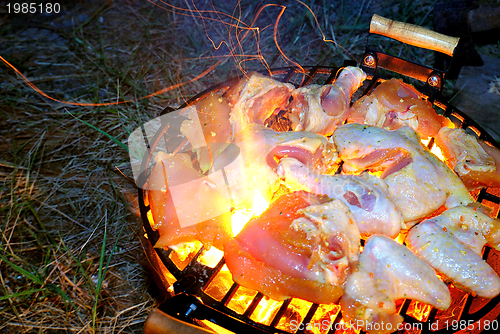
(205, 298)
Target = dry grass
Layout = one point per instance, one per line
(70, 250)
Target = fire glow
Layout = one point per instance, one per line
(434, 150)
(267, 308)
(240, 217)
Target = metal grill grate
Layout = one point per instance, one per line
(194, 298)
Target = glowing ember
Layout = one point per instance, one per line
(211, 257)
(241, 299)
(183, 253)
(435, 149)
(401, 237)
(266, 310)
(294, 315)
(324, 317)
(220, 285)
(377, 174)
(216, 328)
(419, 311)
(150, 218)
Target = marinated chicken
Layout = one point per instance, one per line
(475, 162)
(320, 109)
(388, 271)
(255, 98)
(307, 243)
(471, 226)
(453, 259)
(418, 182)
(365, 195)
(394, 104)
(300, 247)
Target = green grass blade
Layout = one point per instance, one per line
(22, 293)
(22, 271)
(122, 145)
(99, 279)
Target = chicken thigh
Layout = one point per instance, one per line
(365, 195)
(300, 247)
(477, 163)
(320, 109)
(394, 104)
(418, 182)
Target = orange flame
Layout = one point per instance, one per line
(266, 310)
(419, 311)
(241, 299)
(437, 152)
(211, 257)
(242, 216)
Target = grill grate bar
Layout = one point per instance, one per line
(308, 317)
(280, 313)
(256, 300)
(229, 295)
(289, 75)
(310, 76)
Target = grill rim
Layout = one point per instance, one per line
(205, 274)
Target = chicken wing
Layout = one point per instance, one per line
(388, 271)
(471, 227)
(255, 98)
(445, 253)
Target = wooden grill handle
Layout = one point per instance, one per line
(159, 322)
(414, 35)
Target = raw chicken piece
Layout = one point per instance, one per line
(261, 148)
(255, 98)
(473, 160)
(394, 104)
(388, 271)
(365, 195)
(213, 119)
(320, 109)
(471, 227)
(185, 205)
(418, 182)
(297, 248)
(445, 253)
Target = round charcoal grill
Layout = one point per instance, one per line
(194, 301)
